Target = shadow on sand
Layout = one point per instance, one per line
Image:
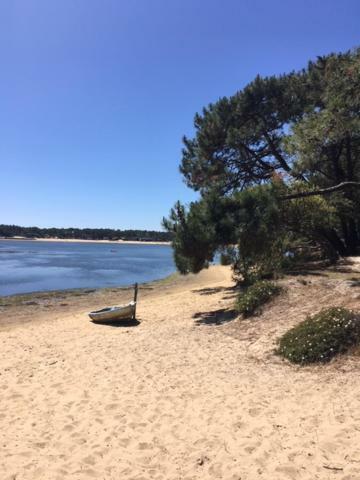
(305, 272)
(212, 291)
(229, 292)
(216, 317)
(118, 323)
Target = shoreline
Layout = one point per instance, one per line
(188, 390)
(80, 240)
(68, 292)
(36, 307)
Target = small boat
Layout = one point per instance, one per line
(114, 313)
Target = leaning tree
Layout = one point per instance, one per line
(294, 139)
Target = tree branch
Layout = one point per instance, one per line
(322, 191)
(276, 153)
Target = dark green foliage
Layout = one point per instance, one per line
(260, 234)
(84, 233)
(225, 259)
(194, 236)
(255, 296)
(250, 219)
(263, 228)
(319, 338)
(238, 140)
(278, 136)
(228, 256)
(325, 144)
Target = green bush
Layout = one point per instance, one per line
(255, 296)
(228, 255)
(225, 259)
(320, 337)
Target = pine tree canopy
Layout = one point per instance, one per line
(265, 158)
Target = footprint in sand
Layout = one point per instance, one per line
(145, 446)
(254, 412)
(124, 442)
(89, 460)
(289, 470)
(68, 428)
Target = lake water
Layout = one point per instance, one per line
(30, 266)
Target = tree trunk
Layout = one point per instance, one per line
(352, 241)
(334, 240)
(350, 235)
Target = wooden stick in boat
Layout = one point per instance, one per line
(135, 299)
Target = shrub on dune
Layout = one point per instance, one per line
(255, 296)
(320, 337)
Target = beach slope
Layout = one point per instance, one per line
(191, 392)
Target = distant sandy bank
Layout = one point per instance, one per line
(78, 240)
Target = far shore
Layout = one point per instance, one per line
(79, 240)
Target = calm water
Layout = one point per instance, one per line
(30, 266)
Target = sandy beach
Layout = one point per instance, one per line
(190, 392)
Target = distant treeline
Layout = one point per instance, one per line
(84, 233)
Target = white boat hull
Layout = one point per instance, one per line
(120, 312)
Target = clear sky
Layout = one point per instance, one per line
(97, 94)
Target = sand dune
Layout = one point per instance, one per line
(190, 393)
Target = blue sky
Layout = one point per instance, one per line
(97, 94)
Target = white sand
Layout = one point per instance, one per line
(177, 397)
